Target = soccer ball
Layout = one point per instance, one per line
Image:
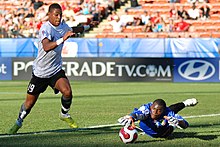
(128, 134)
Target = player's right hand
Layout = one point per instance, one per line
(126, 121)
(67, 35)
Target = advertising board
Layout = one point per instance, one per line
(5, 69)
(196, 70)
(105, 69)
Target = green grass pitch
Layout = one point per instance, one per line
(102, 103)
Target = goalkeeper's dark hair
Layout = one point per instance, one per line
(54, 6)
(160, 102)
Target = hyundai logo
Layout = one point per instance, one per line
(196, 70)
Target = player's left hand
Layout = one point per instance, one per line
(67, 35)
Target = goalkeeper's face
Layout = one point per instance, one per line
(156, 111)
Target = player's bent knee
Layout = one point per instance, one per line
(67, 93)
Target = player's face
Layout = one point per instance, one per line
(55, 17)
(156, 111)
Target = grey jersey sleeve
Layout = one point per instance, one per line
(44, 33)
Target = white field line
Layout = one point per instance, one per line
(199, 116)
(101, 126)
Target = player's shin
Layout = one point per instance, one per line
(65, 104)
(23, 112)
(18, 124)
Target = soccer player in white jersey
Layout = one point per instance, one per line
(47, 67)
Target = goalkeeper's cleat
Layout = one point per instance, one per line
(190, 102)
(67, 118)
(15, 128)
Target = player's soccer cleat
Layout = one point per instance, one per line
(15, 128)
(190, 102)
(67, 118)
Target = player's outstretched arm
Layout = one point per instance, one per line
(50, 45)
(81, 29)
(67, 35)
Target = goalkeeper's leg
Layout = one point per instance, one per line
(187, 103)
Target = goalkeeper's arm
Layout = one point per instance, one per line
(140, 114)
(175, 122)
(183, 124)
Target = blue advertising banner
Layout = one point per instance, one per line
(114, 47)
(196, 70)
(5, 69)
(128, 47)
(18, 47)
(192, 47)
(85, 47)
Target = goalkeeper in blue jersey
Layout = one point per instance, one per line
(158, 120)
(47, 67)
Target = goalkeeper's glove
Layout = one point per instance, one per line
(126, 121)
(172, 121)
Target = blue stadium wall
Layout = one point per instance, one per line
(149, 47)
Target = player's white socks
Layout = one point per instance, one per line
(64, 115)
